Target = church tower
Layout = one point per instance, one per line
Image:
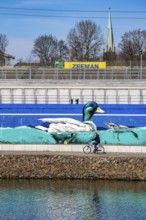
(109, 50)
(109, 46)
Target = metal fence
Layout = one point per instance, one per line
(32, 73)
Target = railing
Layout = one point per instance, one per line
(80, 99)
(31, 73)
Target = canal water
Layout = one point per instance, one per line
(72, 200)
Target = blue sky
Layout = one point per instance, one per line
(21, 31)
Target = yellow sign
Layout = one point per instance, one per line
(84, 65)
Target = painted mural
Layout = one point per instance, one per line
(72, 124)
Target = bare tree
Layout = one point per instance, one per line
(131, 45)
(62, 51)
(45, 48)
(48, 49)
(3, 42)
(85, 41)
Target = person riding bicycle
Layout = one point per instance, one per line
(95, 141)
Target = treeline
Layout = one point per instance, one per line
(85, 42)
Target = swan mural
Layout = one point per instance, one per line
(65, 130)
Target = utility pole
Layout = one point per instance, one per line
(141, 64)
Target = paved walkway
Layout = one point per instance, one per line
(73, 83)
(2, 153)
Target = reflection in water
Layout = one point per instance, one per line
(70, 200)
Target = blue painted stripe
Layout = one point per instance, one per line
(58, 114)
(12, 115)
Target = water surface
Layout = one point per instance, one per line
(72, 200)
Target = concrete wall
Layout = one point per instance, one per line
(64, 95)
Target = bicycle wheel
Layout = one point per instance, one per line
(100, 149)
(87, 149)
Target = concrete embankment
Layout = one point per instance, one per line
(69, 165)
(62, 91)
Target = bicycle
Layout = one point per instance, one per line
(89, 148)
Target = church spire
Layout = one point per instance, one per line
(109, 46)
